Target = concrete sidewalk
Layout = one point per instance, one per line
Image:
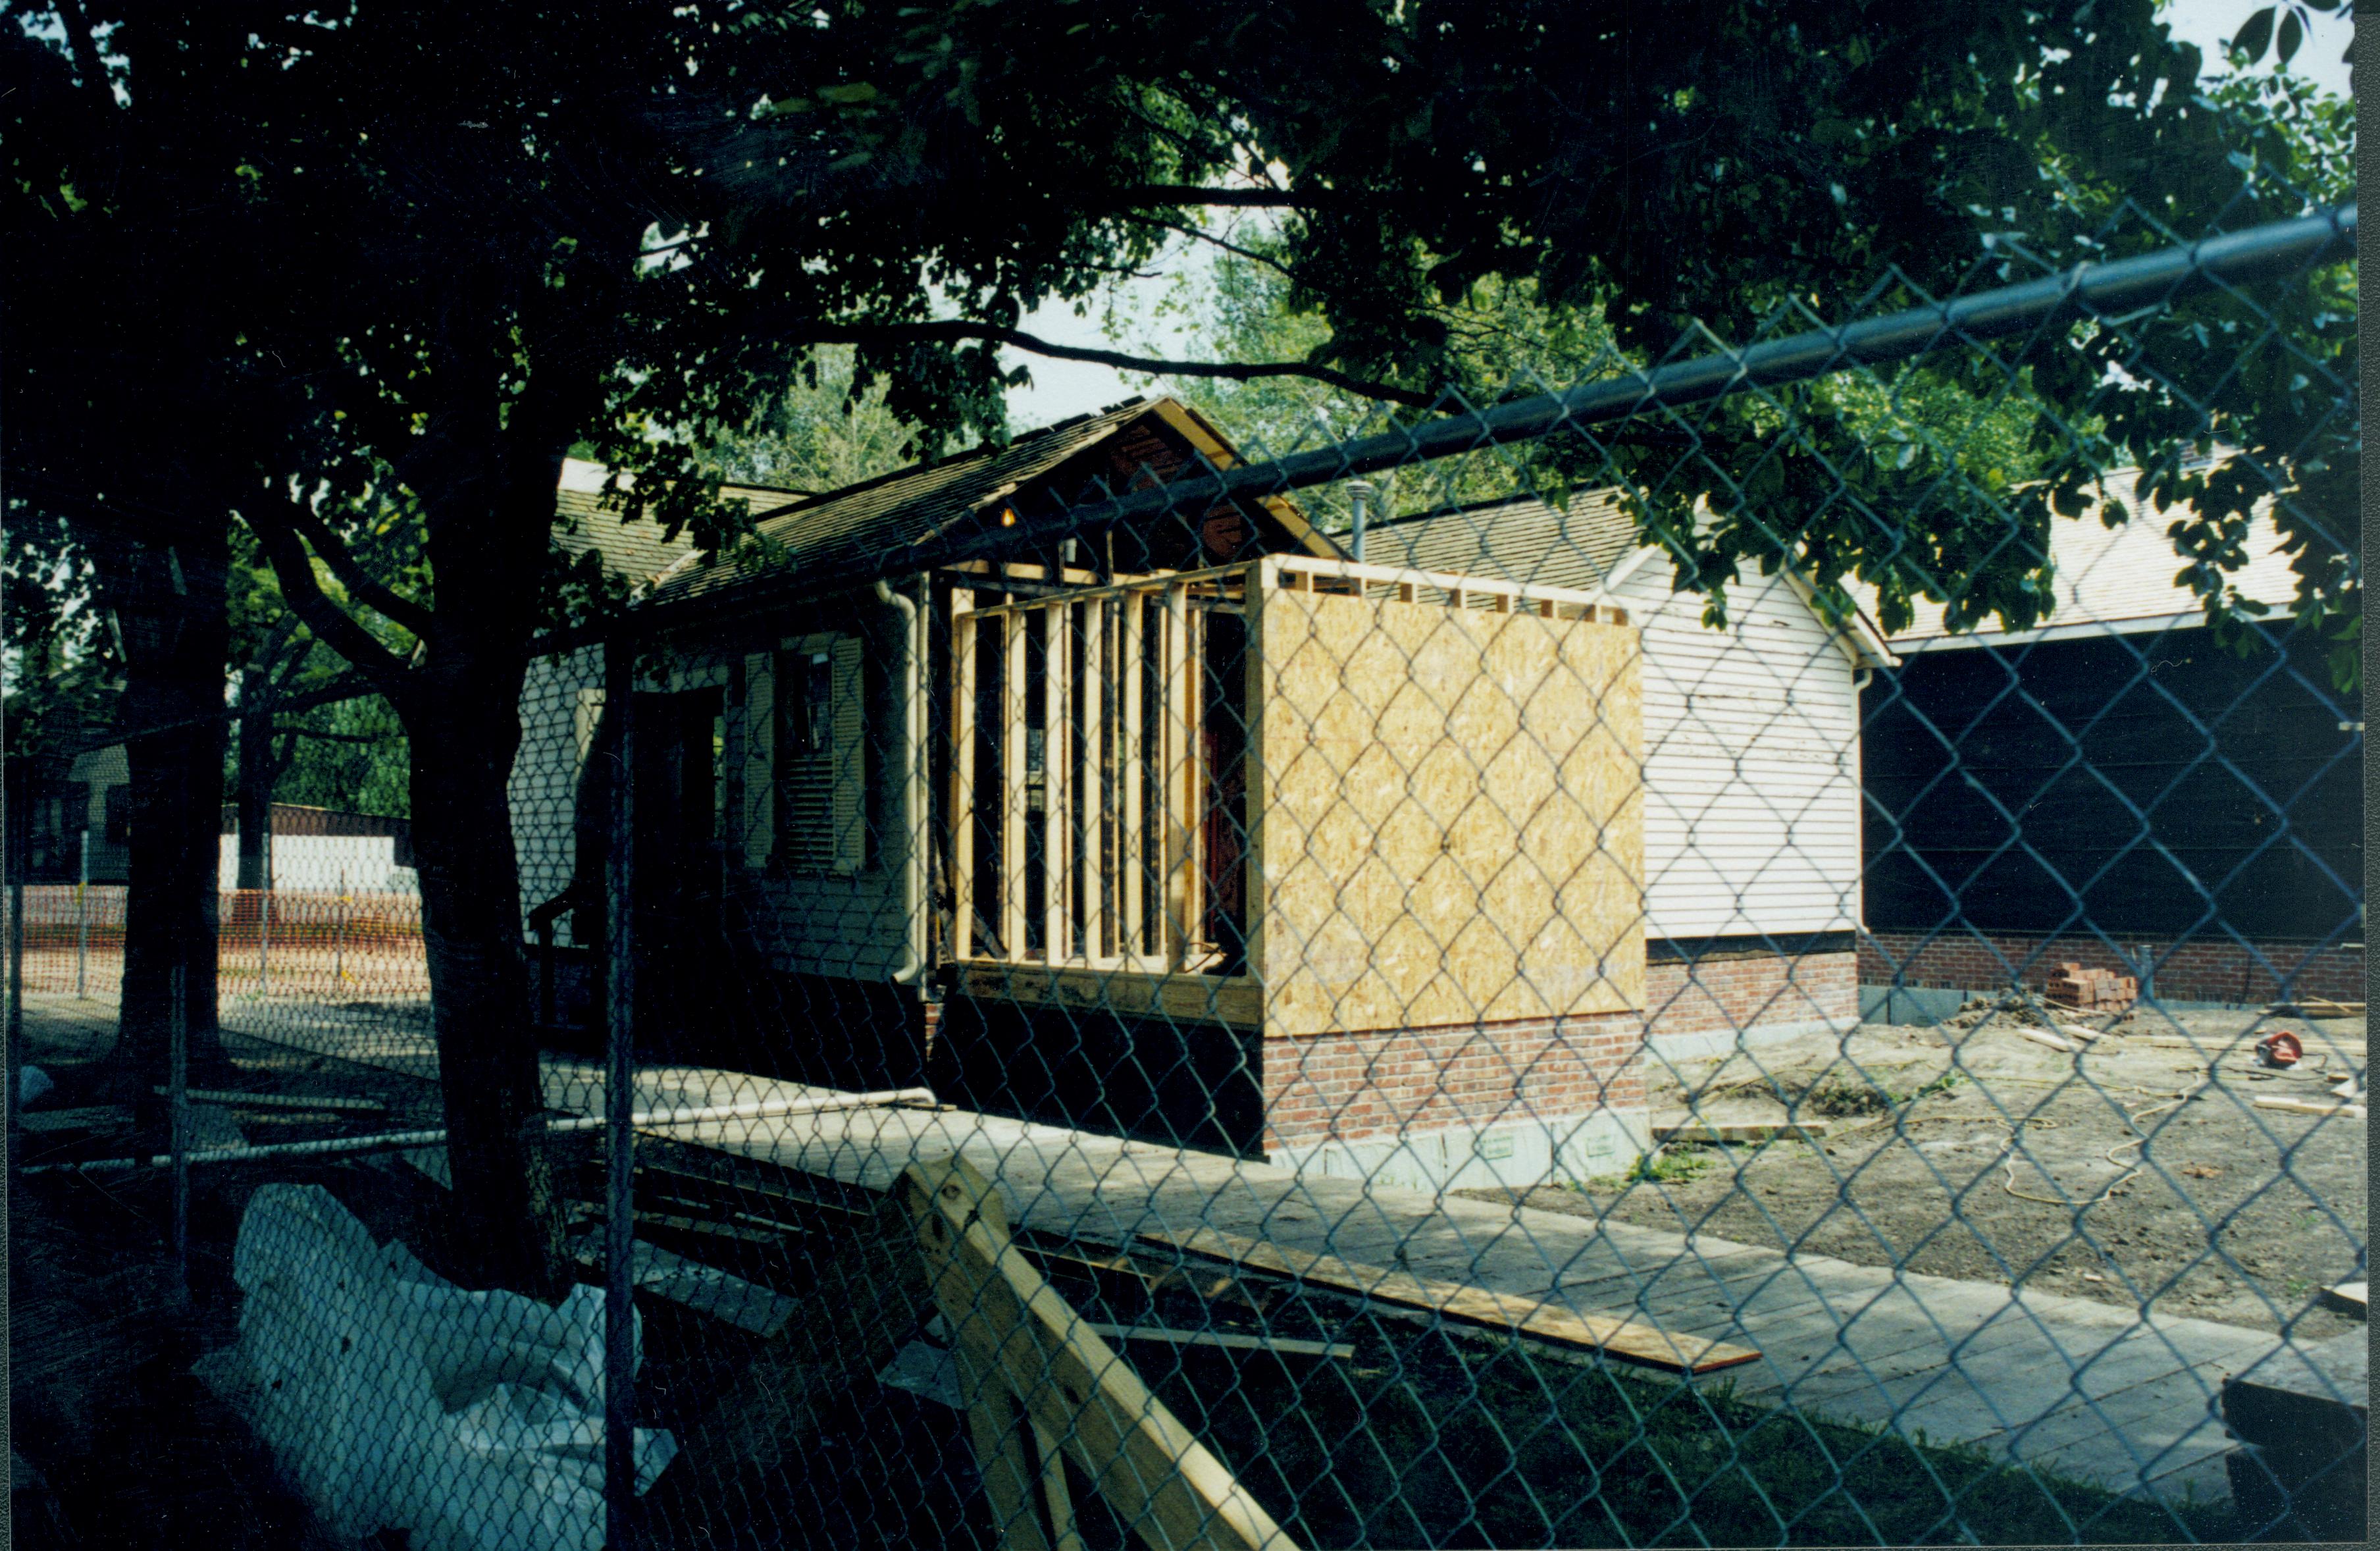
(2100, 1393)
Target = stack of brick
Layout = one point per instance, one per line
(2092, 990)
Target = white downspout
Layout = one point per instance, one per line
(913, 789)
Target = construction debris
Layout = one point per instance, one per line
(2347, 1298)
(1713, 1133)
(1632, 1340)
(2092, 990)
(2309, 1107)
(1287, 1346)
(2043, 1036)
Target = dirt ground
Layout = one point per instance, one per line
(2135, 1171)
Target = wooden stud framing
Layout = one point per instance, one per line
(1132, 835)
(1178, 750)
(1011, 788)
(1091, 876)
(1057, 763)
(964, 631)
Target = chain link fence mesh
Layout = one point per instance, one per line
(1127, 988)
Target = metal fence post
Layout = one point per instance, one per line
(264, 915)
(339, 937)
(619, 1082)
(177, 1031)
(15, 841)
(82, 917)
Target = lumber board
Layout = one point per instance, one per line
(965, 637)
(1714, 1133)
(2311, 1107)
(1011, 788)
(1091, 782)
(89, 1117)
(1131, 764)
(1057, 783)
(279, 1100)
(1230, 1340)
(1018, 1343)
(2347, 1298)
(1236, 1000)
(706, 1289)
(1630, 1340)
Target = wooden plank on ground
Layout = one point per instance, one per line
(89, 1117)
(706, 1289)
(1021, 1346)
(1630, 1340)
(2312, 1106)
(1712, 1133)
(279, 1100)
(2347, 1298)
(1231, 1341)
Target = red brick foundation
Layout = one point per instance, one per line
(1347, 1087)
(1736, 990)
(2200, 969)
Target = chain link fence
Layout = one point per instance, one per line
(1128, 987)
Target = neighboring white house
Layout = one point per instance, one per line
(1752, 765)
(324, 850)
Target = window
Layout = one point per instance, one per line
(807, 705)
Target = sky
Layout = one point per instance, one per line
(1061, 388)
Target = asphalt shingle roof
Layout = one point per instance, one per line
(877, 519)
(1525, 541)
(635, 551)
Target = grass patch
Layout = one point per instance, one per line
(1843, 1099)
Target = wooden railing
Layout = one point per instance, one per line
(1097, 854)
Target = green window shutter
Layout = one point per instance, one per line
(760, 744)
(848, 754)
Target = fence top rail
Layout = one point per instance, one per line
(1265, 574)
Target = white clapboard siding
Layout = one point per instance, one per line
(1752, 804)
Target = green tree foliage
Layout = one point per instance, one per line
(412, 254)
(819, 431)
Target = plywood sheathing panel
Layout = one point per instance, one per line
(1453, 823)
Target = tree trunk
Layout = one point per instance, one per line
(176, 639)
(465, 727)
(257, 770)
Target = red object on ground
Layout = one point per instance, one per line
(2279, 1049)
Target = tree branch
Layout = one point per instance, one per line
(1197, 234)
(346, 635)
(360, 583)
(84, 50)
(1146, 194)
(896, 334)
(334, 737)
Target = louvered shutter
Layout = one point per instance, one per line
(759, 767)
(848, 751)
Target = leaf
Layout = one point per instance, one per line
(858, 92)
(2255, 35)
(2292, 34)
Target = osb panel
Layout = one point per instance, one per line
(1449, 814)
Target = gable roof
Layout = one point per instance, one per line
(2117, 580)
(1525, 541)
(874, 522)
(1588, 545)
(634, 551)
